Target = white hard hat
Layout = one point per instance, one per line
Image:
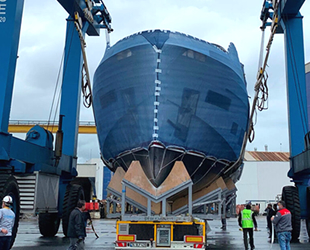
(7, 199)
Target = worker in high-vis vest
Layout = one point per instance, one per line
(247, 221)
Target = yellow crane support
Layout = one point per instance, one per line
(25, 126)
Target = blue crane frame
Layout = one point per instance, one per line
(290, 24)
(36, 152)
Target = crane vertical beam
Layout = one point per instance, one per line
(291, 22)
(296, 83)
(71, 91)
(11, 12)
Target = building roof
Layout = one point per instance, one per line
(266, 156)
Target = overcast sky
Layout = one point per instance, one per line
(42, 42)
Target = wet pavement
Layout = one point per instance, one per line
(29, 237)
(232, 238)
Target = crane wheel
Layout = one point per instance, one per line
(73, 194)
(9, 186)
(49, 224)
(291, 198)
(308, 204)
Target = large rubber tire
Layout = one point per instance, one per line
(291, 199)
(9, 186)
(73, 194)
(308, 204)
(49, 224)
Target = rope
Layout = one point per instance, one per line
(260, 87)
(260, 100)
(86, 85)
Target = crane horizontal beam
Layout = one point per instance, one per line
(93, 12)
(290, 7)
(25, 126)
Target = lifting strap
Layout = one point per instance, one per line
(260, 87)
(86, 85)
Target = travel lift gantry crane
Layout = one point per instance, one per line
(284, 17)
(54, 197)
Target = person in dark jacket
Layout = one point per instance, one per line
(283, 226)
(247, 221)
(271, 212)
(86, 217)
(77, 227)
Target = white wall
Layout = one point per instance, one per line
(262, 180)
(93, 168)
(99, 176)
(86, 169)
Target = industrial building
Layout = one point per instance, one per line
(263, 177)
(96, 177)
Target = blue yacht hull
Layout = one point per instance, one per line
(161, 96)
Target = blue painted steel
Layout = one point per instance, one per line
(40, 136)
(175, 91)
(296, 83)
(35, 157)
(71, 91)
(291, 22)
(19, 166)
(10, 21)
(308, 94)
(107, 174)
(101, 16)
(290, 7)
(302, 182)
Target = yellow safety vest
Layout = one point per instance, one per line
(246, 216)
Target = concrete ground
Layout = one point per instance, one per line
(29, 237)
(232, 238)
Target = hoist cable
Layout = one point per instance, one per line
(259, 87)
(55, 91)
(65, 64)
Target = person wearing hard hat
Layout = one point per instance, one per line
(7, 219)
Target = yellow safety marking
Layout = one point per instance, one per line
(126, 238)
(155, 233)
(24, 128)
(204, 229)
(194, 239)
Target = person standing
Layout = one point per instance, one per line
(270, 213)
(77, 227)
(7, 219)
(267, 210)
(247, 221)
(283, 226)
